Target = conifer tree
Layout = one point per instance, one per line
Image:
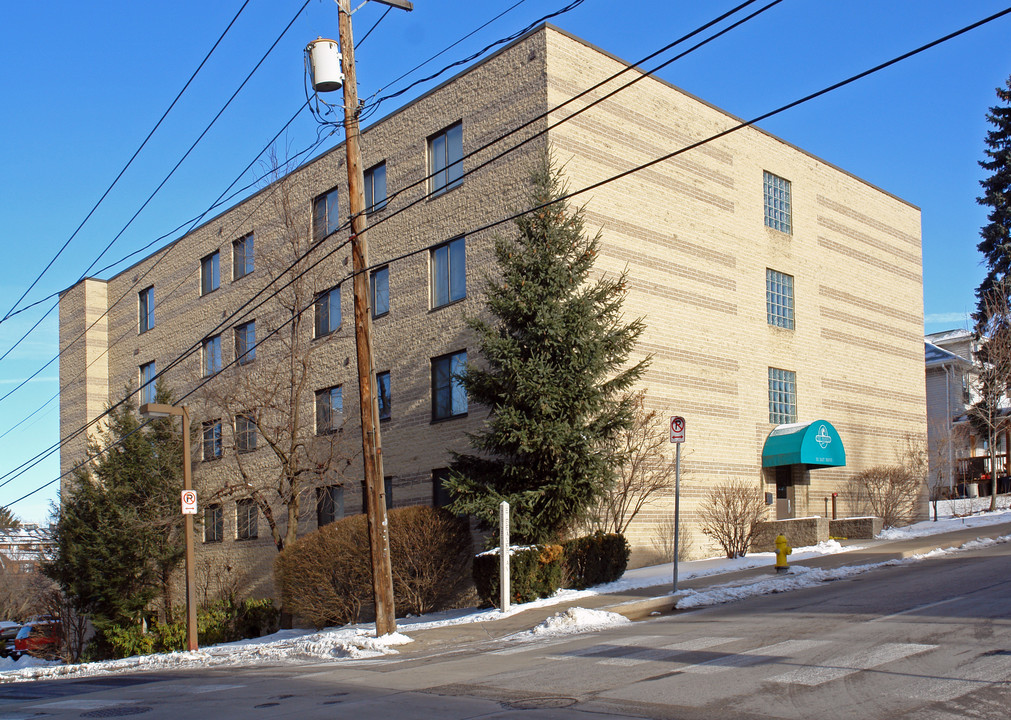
(118, 532)
(995, 244)
(553, 372)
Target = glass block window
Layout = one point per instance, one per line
(380, 286)
(146, 308)
(782, 396)
(777, 203)
(147, 386)
(445, 159)
(245, 342)
(779, 298)
(210, 277)
(375, 188)
(214, 524)
(212, 440)
(246, 516)
(242, 257)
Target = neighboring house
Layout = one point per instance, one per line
(782, 296)
(26, 546)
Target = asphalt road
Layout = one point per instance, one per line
(930, 640)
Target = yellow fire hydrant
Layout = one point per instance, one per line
(782, 550)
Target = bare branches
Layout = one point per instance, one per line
(731, 513)
(889, 492)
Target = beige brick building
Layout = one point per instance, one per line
(776, 288)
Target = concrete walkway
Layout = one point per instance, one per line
(639, 603)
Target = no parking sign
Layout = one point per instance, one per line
(189, 498)
(677, 429)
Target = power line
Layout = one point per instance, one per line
(128, 164)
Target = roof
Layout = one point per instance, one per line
(939, 357)
(946, 335)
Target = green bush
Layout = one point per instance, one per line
(534, 572)
(595, 559)
(325, 577)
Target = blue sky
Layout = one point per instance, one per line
(85, 82)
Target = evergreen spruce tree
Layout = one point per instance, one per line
(554, 373)
(118, 533)
(995, 244)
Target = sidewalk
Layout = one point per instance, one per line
(640, 603)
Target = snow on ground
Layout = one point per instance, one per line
(357, 642)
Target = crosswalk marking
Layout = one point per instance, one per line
(667, 651)
(786, 648)
(851, 663)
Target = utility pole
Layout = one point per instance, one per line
(372, 454)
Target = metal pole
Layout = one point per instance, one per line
(677, 508)
(191, 579)
(505, 589)
(379, 538)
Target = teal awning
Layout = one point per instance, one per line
(812, 443)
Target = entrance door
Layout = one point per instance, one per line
(784, 492)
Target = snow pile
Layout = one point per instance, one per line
(26, 661)
(950, 523)
(573, 620)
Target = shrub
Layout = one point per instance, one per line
(889, 492)
(730, 515)
(325, 577)
(595, 559)
(534, 572)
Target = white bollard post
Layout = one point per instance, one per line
(503, 554)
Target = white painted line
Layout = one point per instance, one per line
(916, 609)
(787, 648)
(664, 651)
(83, 704)
(852, 663)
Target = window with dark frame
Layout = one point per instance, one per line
(448, 263)
(449, 399)
(779, 298)
(242, 257)
(246, 517)
(777, 203)
(379, 283)
(782, 396)
(211, 355)
(210, 278)
(329, 504)
(445, 159)
(147, 384)
(245, 433)
(328, 312)
(383, 395)
(329, 409)
(214, 524)
(245, 342)
(146, 309)
(212, 447)
(440, 493)
(375, 188)
(387, 490)
(325, 218)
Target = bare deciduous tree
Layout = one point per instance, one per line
(271, 433)
(887, 491)
(647, 469)
(993, 371)
(662, 541)
(731, 513)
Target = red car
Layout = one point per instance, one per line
(41, 638)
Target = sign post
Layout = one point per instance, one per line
(677, 436)
(503, 554)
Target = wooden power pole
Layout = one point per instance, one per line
(375, 495)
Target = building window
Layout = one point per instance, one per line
(782, 396)
(209, 276)
(328, 312)
(449, 399)
(147, 385)
(387, 491)
(329, 409)
(375, 188)
(212, 440)
(379, 284)
(146, 297)
(440, 493)
(329, 504)
(324, 215)
(212, 355)
(242, 257)
(383, 394)
(777, 203)
(245, 433)
(779, 298)
(246, 515)
(214, 524)
(449, 272)
(245, 342)
(445, 159)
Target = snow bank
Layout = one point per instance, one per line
(573, 620)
